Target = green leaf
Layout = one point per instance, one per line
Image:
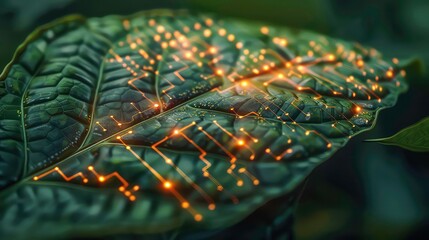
(413, 138)
(164, 121)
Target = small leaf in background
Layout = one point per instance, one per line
(413, 138)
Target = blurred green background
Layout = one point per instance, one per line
(366, 191)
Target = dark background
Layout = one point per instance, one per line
(366, 190)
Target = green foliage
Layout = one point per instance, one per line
(413, 138)
(99, 115)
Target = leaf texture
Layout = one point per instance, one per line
(166, 121)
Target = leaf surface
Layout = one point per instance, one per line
(167, 121)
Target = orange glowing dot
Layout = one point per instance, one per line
(188, 54)
(128, 147)
(329, 145)
(121, 189)
(212, 50)
(300, 68)
(240, 142)
(160, 29)
(90, 168)
(358, 109)
(267, 150)
(198, 217)
(85, 180)
(219, 72)
(156, 105)
(132, 198)
(389, 74)
(36, 178)
(176, 131)
(101, 179)
(219, 188)
(256, 182)
(331, 57)
(212, 206)
(307, 133)
(278, 158)
(240, 183)
(244, 83)
(231, 37)
(57, 168)
(207, 33)
(185, 204)
(239, 45)
(265, 30)
(222, 32)
(136, 188)
(167, 185)
(360, 63)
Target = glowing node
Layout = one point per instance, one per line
(176, 132)
(267, 150)
(167, 185)
(188, 54)
(156, 105)
(390, 74)
(128, 147)
(219, 188)
(168, 161)
(219, 72)
(212, 50)
(256, 182)
(331, 57)
(278, 158)
(198, 217)
(244, 84)
(222, 32)
(136, 188)
(127, 193)
(35, 178)
(57, 168)
(358, 109)
(240, 142)
(265, 30)
(307, 133)
(101, 179)
(118, 137)
(185, 205)
(240, 183)
(121, 188)
(90, 168)
(85, 180)
(329, 145)
(132, 198)
(212, 206)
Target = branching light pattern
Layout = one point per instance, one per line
(211, 115)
